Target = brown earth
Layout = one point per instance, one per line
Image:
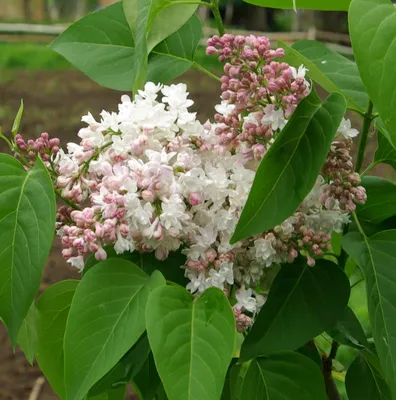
(54, 102)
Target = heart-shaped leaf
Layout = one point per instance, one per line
(362, 381)
(27, 336)
(101, 46)
(192, 340)
(381, 200)
(330, 70)
(147, 381)
(376, 257)
(386, 153)
(298, 290)
(170, 268)
(291, 166)
(326, 5)
(27, 226)
(348, 330)
(282, 376)
(52, 311)
(175, 54)
(125, 369)
(372, 26)
(106, 319)
(165, 18)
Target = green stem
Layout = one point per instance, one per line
(217, 16)
(68, 202)
(360, 229)
(364, 136)
(357, 283)
(205, 71)
(369, 168)
(7, 141)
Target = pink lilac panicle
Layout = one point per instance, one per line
(258, 93)
(344, 188)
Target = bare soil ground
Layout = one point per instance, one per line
(54, 103)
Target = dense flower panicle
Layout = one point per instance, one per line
(152, 178)
(344, 190)
(259, 93)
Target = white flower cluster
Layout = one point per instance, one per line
(158, 180)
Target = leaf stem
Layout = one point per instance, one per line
(369, 168)
(368, 118)
(205, 71)
(360, 229)
(357, 283)
(6, 140)
(217, 16)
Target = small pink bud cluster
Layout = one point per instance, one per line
(265, 91)
(344, 189)
(243, 321)
(88, 232)
(300, 240)
(43, 146)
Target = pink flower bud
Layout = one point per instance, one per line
(148, 195)
(100, 254)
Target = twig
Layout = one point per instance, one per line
(364, 136)
(35, 393)
(327, 369)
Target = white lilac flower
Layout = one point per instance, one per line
(224, 108)
(275, 118)
(346, 129)
(245, 300)
(264, 251)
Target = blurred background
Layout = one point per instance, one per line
(56, 96)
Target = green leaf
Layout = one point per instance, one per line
(381, 200)
(298, 290)
(175, 54)
(330, 70)
(101, 46)
(106, 319)
(17, 121)
(310, 351)
(27, 226)
(386, 153)
(372, 26)
(165, 18)
(282, 376)
(362, 381)
(52, 311)
(126, 369)
(192, 340)
(291, 166)
(147, 381)
(348, 330)
(325, 5)
(27, 336)
(376, 257)
(170, 268)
